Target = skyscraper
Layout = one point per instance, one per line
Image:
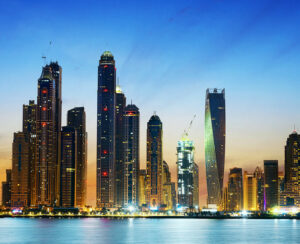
(291, 194)
(6, 190)
(214, 144)
(119, 184)
(131, 154)
(20, 171)
(250, 192)
(185, 171)
(271, 184)
(46, 161)
(29, 128)
(154, 162)
(167, 187)
(77, 119)
(68, 166)
(235, 189)
(106, 122)
(56, 71)
(259, 175)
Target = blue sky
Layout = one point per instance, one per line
(167, 53)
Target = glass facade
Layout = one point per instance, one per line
(214, 144)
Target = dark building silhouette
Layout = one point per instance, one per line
(154, 162)
(76, 118)
(68, 167)
(131, 155)
(235, 189)
(271, 184)
(215, 144)
(20, 171)
(106, 123)
(119, 184)
(259, 175)
(29, 128)
(56, 71)
(6, 190)
(46, 161)
(195, 186)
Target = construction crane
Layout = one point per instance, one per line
(186, 131)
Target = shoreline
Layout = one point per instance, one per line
(145, 217)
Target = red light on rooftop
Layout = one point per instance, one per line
(44, 91)
(105, 90)
(104, 173)
(105, 66)
(105, 109)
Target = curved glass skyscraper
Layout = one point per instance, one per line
(214, 144)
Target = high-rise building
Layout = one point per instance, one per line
(271, 183)
(260, 182)
(196, 186)
(68, 167)
(6, 190)
(20, 171)
(225, 201)
(46, 161)
(56, 71)
(142, 187)
(235, 189)
(106, 123)
(174, 196)
(185, 171)
(250, 192)
(29, 128)
(214, 144)
(154, 162)
(290, 194)
(119, 183)
(131, 155)
(77, 119)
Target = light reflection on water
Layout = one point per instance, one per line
(156, 231)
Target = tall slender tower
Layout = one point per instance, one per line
(68, 166)
(29, 128)
(106, 123)
(77, 120)
(131, 155)
(57, 76)
(154, 162)
(20, 171)
(119, 184)
(46, 161)
(214, 144)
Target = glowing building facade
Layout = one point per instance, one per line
(46, 162)
(154, 162)
(185, 171)
(250, 192)
(131, 155)
(214, 144)
(235, 189)
(106, 107)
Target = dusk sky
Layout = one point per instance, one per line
(167, 54)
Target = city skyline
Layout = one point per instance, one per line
(270, 120)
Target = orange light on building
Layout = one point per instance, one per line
(104, 173)
(44, 108)
(105, 109)
(44, 124)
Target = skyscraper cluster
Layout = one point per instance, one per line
(120, 181)
(49, 162)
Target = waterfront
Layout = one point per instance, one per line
(90, 230)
